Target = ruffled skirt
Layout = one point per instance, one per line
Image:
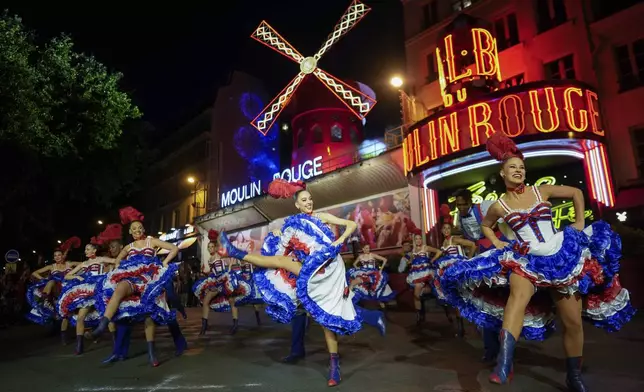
(148, 277)
(421, 272)
(570, 262)
(43, 310)
(372, 284)
(81, 294)
(442, 264)
(254, 296)
(321, 287)
(226, 285)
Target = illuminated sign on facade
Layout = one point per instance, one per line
(560, 213)
(302, 172)
(529, 109)
(177, 234)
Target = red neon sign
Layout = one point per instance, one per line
(532, 109)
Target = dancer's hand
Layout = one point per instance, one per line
(277, 233)
(500, 244)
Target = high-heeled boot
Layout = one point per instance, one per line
(233, 329)
(152, 358)
(420, 317)
(503, 372)
(573, 375)
(334, 370)
(63, 338)
(231, 251)
(298, 330)
(180, 343)
(373, 318)
(121, 344)
(259, 320)
(102, 326)
(204, 326)
(79, 345)
(490, 345)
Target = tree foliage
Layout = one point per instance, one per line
(62, 139)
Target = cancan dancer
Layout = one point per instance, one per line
(540, 266)
(302, 265)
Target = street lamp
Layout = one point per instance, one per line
(100, 222)
(396, 81)
(60, 242)
(191, 180)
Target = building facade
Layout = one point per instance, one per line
(539, 40)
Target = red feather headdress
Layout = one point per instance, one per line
(281, 189)
(502, 147)
(112, 232)
(446, 214)
(129, 215)
(213, 235)
(73, 242)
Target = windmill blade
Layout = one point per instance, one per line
(267, 117)
(267, 35)
(357, 101)
(351, 17)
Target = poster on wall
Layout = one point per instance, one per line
(250, 240)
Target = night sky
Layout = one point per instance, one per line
(173, 59)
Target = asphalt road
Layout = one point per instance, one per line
(408, 359)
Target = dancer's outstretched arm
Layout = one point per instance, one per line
(350, 226)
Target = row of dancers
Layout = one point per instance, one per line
(512, 288)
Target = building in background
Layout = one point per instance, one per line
(597, 42)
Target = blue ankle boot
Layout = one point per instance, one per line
(298, 330)
(334, 370)
(503, 372)
(102, 326)
(121, 344)
(573, 375)
(180, 343)
(373, 318)
(231, 251)
(151, 355)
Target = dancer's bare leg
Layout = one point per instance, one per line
(521, 290)
(205, 308)
(80, 321)
(150, 329)
(275, 262)
(123, 290)
(569, 310)
(331, 339)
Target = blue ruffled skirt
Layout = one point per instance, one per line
(441, 265)
(43, 311)
(421, 272)
(570, 262)
(148, 277)
(254, 296)
(321, 287)
(372, 284)
(226, 285)
(79, 294)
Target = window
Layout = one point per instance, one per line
(630, 65)
(603, 8)
(564, 68)
(353, 135)
(460, 5)
(637, 138)
(162, 223)
(336, 133)
(506, 31)
(430, 14)
(550, 14)
(300, 138)
(432, 72)
(317, 134)
(516, 80)
(176, 218)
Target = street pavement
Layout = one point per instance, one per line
(408, 359)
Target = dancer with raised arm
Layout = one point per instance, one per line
(135, 290)
(78, 299)
(303, 266)
(541, 266)
(368, 280)
(43, 295)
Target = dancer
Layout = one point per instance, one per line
(254, 298)
(43, 294)
(220, 289)
(135, 289)
(421, 274)
(544, 266)
(303, 265)
(452, 250)
(368, 280)
(78, 298)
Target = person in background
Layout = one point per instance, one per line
(406, 257)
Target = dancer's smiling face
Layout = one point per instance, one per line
(446, 230)
(137, 230)
(304, 202)
(212, 248)
(513, 172)
(58, 256)
(90, 250)
(366, 249)
(418, 240)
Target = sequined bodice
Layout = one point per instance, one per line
(531, 225)
(217, 266)
(368, 263)
(146, 251)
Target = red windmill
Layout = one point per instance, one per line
(359, 103)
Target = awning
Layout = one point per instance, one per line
(370, 177)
